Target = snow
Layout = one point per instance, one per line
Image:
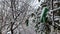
(35, 4)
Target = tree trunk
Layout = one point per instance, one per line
(11, 27)
(0, 31)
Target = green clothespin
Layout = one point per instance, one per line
(43, 14)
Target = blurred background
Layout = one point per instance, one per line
(23, 17)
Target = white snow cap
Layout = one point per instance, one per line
(9, 32)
